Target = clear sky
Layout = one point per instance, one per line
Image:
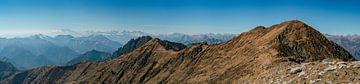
(184, 16)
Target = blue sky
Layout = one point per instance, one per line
(184, 16)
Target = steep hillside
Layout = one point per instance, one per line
(254, 56)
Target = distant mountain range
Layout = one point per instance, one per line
(39, 50)
(84, 44)
(90, 56)
(289, 52)
(34, 51)
(349, 42)
(124, 36)
(6, 69)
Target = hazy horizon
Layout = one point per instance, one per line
(182, 16)
(85, 33)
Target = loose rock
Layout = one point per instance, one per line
(296, 70)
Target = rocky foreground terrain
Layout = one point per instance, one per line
(326, 71)
(289, 52)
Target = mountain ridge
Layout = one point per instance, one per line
(90, 56)
(249, 56)
(136, 43)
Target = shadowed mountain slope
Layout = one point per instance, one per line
(6, 69)
(91, 56)
(136, 43)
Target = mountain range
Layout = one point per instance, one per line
(34, 52)
(124, 36)
(289, 52)
(85, 44)
(90, 56)
(6, 69)
(40, 50)
(349, 42)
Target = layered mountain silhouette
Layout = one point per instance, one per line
(124, 36)
(250, 56)
(40, 50)
(91, 56)
(6, 70)
(136, 43)
(189, 39)
(34, 51)
(350, 43)
(85, 44)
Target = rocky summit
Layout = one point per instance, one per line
(289, 52)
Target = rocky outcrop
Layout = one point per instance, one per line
(252, 57)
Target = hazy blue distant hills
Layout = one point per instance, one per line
(84, 44)
(91, 56)
(124, 36)
(39, 50)
(174, 37)
(210, 38)
(6, 69)
(132, 45)
(34, 51)
(7, 60)
(188, 39)
(19, 56)
(349, 42)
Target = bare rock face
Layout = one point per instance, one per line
(253, 56)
